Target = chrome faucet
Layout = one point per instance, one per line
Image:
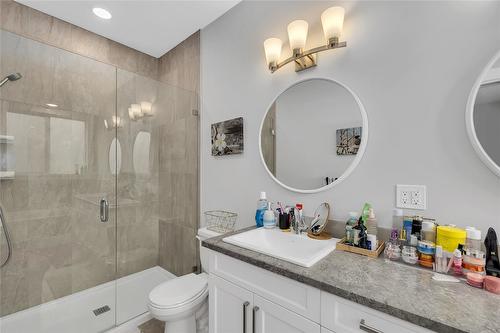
(298, 222)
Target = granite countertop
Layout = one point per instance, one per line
(399, 290)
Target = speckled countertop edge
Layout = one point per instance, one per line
(310, 276)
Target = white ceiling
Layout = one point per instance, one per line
(152, 27)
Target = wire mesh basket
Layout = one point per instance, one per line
(220, 221)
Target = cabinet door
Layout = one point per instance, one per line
(230, 307)
(272, 318)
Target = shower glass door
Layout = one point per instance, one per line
(60, 158)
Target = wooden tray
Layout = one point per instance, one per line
(348, 248)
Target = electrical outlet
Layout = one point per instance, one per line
(411, 196)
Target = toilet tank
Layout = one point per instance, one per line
(204, 233)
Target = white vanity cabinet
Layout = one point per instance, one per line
(234, 309)
(341, 315)
(248, 299)
(272, 318)
(230, 307)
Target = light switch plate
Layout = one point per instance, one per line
(411, 196)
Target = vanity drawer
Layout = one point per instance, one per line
(343, 316)
(292, 295)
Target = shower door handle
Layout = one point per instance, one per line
(104, 210)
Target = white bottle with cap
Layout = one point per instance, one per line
(371, 223)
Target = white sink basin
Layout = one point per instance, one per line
(297, 249)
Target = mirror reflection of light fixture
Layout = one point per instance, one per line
(138, 111)
(332, 20)
(116, 122)
(147, 108)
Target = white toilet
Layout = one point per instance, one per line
(177, 301)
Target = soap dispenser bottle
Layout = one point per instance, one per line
(269, 218)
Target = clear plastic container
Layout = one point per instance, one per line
(409, 255)
(392, 251)
(473, 241)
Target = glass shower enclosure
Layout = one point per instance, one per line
(88, 152)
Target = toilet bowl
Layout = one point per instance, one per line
(178, 301)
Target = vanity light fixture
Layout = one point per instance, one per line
(332, 21)
(102, 13)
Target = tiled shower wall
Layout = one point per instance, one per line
(58, 246)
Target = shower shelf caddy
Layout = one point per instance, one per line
(6, 154)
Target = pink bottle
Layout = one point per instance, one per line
(457, 262)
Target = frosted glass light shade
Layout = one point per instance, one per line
(297, 34)
(136, 110)
(147, 108)
(130, 114)
(272, 47)
(332, 20)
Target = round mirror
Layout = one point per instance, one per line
(320, 220)
(141, 152)
(313, 135)
(115, 156)
(483, 115)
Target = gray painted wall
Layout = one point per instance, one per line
(411, 68)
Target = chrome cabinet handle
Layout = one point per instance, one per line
(245, 305)
(104, 210)
(254, 311)
(366, 328)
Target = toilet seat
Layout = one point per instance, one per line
(179, 291)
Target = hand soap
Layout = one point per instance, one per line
(269, 218)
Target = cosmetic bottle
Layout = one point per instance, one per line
(371, 223)
(457, 262)
(269, 221)
(261, 208)
(397, 221)
(350, 224)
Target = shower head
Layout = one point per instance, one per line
(11, 77)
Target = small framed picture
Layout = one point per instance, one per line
(348, 140)
(227, 137)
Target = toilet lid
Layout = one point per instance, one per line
(178, 290)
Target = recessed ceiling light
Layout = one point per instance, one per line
(102, 13)
(52, 105)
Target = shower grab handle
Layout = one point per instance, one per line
(104, 210)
